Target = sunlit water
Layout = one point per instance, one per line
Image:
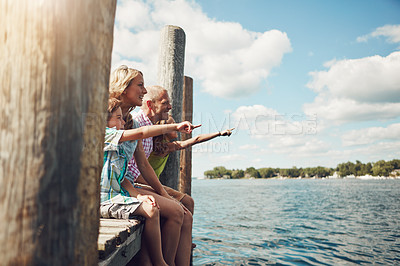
(296, 222)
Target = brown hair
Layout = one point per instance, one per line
(113, 105)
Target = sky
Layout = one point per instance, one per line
(304, 83)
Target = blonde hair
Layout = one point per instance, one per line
(120, 79)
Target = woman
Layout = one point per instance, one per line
(127, 85)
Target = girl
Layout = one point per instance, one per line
(119, 199)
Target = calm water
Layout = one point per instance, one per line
(296, 222)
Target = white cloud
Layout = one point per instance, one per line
(228, 60)
(371, 135)
(367, 153)
(182, 13)
(391, 32)
(312, 148)
(315, 152)
(229, 158)
(249, 147)
(283, 144)
(338, 111)
(370, 79)
(254, 112)
(256, 119)
(299, 146)
(133, 15)
(294, 135)
(262, 122)
(357, 89)
(236, 71)
(381, 151)
(139, 45)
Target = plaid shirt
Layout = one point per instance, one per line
(142, 120)
(116, 157)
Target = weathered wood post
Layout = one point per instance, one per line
(55, 62)
(186, 154)
(170, 76)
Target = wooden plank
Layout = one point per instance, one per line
(120, 235)
(125, 252)
(118, 222)
(119, 240)
(106, 245)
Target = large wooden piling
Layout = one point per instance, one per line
(55, 62)
(170, 76)
(186, 154)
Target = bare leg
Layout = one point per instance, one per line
(142, 258)
(188, 202)
(185, 242)
(173, 216)
(151, 233)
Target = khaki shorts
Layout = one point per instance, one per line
(119, 211)
(172, 192)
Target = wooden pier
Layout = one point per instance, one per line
(54, 79)
(119, 240)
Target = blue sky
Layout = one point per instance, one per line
(305, 83)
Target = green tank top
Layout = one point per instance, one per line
(157, 163)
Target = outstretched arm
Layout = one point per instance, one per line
(179, 145)
(155, 130)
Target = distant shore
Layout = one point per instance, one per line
(364, 177)
(372, 170)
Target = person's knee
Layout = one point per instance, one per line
(177, 215)
(150, 210)
(188, 220)
(188, 201)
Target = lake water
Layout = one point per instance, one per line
(296, 222)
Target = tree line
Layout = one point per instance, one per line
(379, 168)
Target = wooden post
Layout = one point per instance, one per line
(186, 154)
(170, 76)
(55, 64)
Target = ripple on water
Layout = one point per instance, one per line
(296, 222)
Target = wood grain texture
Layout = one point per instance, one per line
(54, 77)
(170, 76)
(119, 240)
(185, 179)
